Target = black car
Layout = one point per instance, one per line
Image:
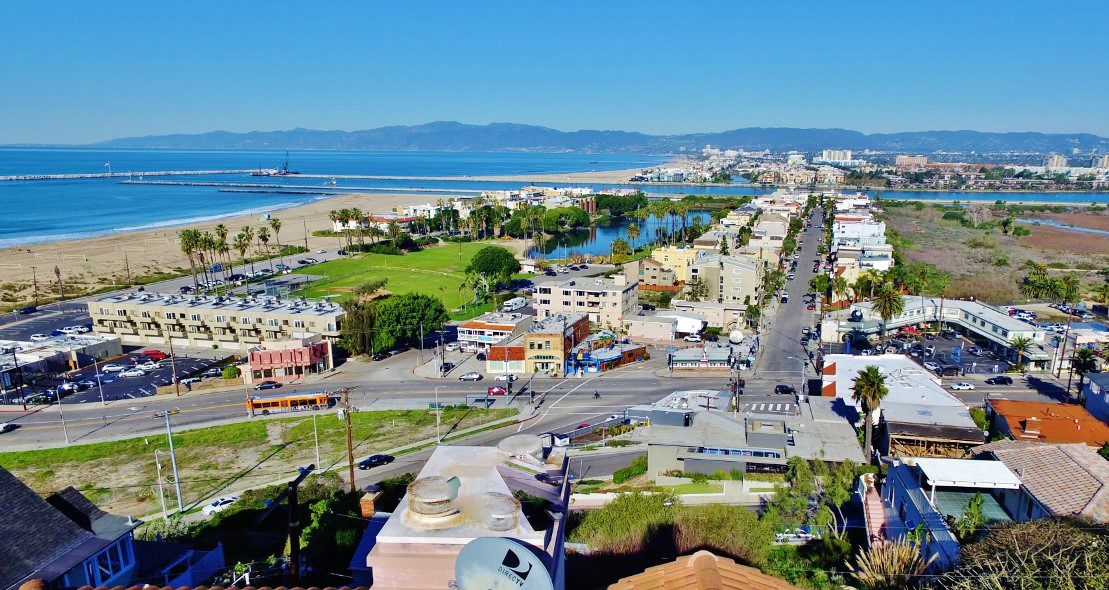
(237, 277)
(27, 310)
(445, 367)
(480, 356)
(1000, 380)
(647, 307)
(267, 385)
(550, 273)
(785, 389)
(375, 461)
(380, 356)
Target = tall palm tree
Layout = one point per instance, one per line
(633, 232)
(264, 243)
(248, 235)
(868, 390)
(275, 225)
(375, 231)
(190, 239)
(242, 246)
(359, 218)
(208, 248)
(839, 287)
(394, 231)
(1020, 345)
(1067, 289)
(1083, 362)
(888, 303)
(223, 249)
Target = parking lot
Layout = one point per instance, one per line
(44, 321)
(114, 386)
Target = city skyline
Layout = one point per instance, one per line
(116, 71)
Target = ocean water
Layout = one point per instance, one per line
(46, 210)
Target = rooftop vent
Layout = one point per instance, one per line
(502, 512)
(521, 445)
(431, 499)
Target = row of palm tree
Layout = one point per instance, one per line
(208, 248)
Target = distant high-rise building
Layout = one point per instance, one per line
(1056, 161)
(835, 155)
(910, 160)
(1100, 161)
(796, 159)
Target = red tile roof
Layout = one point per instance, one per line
(702, 571)
(1051, 423)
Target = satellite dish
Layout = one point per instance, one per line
(498, 563)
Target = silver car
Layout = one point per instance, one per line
(472, 376)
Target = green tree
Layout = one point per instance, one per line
(359, 334)
(275, 225)
(406, 317)
(893, 565)
(888, 302)
(820, 284)
(696, 289)
(868, 391)
(190, 242)
(1020, 345)
(621, 250)
(494, 260)
(632, 231)
(789, 507)
(839, 287)
(1083, 362)
(972, 520)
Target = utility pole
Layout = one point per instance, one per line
(99, 384)
(172, 455)
(290, 494)
(173, 364)
(438, 436)
(304, 223)
(35, 286)
(127, 268)
(161, 488)
(61, 288)
(316, 436)
(61, 416)
(344, 415)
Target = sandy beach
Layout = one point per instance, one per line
(93, 263)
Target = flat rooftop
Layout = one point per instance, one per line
(254, 304)
(496, 318)
(965, 473)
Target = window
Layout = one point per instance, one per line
(105, 311)
(195, 317)
(221, 319)
(245, 320)
(121, 312)
(274, 322)
(298, 324)
(144, 314)
(171, 315)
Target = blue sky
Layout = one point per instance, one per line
(87, 71)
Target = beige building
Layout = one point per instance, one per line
(234, 323)
(606, 301)
(677, 259)
(650, 272)
(910, 161)
(734, 279)
(728, 316)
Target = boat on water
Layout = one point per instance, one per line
(282, 171)
(331, 182)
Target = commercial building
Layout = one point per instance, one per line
(1057, 479)
(917, 418)
(647, 326)
(65, 542)
(463, 494)
(289, 360)
(733, 279)
(648, 272)
(601, 352)
(492, 328)
(727, 315)
(234, 323)
(678, 259)
(1056, 161)
(21, 361)
(707, 358)
(607, 301)
(1046, 422)
(543, 348)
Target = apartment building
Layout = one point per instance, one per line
(543, 348)
(649, 272)
(492, 328)
(677, 259)
(606, 301)
(904, 161)
(234, 323)
(728, 278)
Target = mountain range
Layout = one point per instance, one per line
(454, 136)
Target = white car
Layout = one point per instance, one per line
(39, 337)
(932, 366)
(452, 346)
(962, 386)
(219, 505)
(321, 251)
(506, 377)
(70, 330)
(136, 372)
(148, 366)
(692, 338)
(112, 368)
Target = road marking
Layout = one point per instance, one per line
(552, 406)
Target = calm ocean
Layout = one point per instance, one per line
(47, 210)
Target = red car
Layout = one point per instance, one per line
(497, 390)
(155, 355)
(810, 307)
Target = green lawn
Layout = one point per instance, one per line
(696, 488)
(437, 271)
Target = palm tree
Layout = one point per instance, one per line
(1101, 293)
(190, 239)
(1020, 345)
(888, 303)
(207, 245)
(275, 225)
(248, 235)
(633, 232)
(224, 250)
(242, 245)
(839, 287)
(221, 247)
(1083, 362)
(375, 231)
(868, 391)
(264, 241)
(359, 218)
(394, 231)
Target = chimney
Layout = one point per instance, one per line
(1032, 426)
(366, 504)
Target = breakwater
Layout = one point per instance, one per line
(120, 174)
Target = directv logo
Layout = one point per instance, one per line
(511, 567)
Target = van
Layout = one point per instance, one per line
(514, 304)
(785, 297)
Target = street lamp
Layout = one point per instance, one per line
(172, 455)
(802, 390)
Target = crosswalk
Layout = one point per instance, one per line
(770, 408)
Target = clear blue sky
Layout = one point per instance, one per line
(89, 71)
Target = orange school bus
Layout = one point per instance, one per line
(289, 402)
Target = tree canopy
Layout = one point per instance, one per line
(494, 260)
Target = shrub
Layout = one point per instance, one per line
(387, 249)
(638, 466)
(231, 372)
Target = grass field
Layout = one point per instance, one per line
(438, 271)
(120, 475)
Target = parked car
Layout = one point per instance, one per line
(692, 338)
(471, 376)
(452, 346)
(931, 366)
(948, 334)
(962, 386)
(136, 372)
(380, 356)
(480, 356)
(189, 380)
(1000, 380)
(112, 368)
(213, 372)
(148, 366)
(7, 427)
(506, 377)
(219, 505)
(646, 307)
(39, 337)
(186, 289)
(446, 367)
(375, 461)
(68, 386)
(799, 535)
(155, 355)
(550, 273)
(29, 309)
(496, 390)
(783, 389)
(267, 385)
(810, 307)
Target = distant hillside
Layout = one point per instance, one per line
(459, 137)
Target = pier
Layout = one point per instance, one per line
(121, 174)
(325, 189)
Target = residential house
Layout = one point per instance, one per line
(733, 279)
(1096, 394)
(701, 571)
(1046, 422)
(607, 301)
(727, 315)
(1057, 479)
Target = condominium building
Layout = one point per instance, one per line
(606, 300)
(677, 259)
(728, 278)
(1056, 161)
(649, 272)
(910, 161)
(233, 323)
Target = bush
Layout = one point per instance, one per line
(231, 372)
(387, 249)
(638, 466)
(427, 241)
